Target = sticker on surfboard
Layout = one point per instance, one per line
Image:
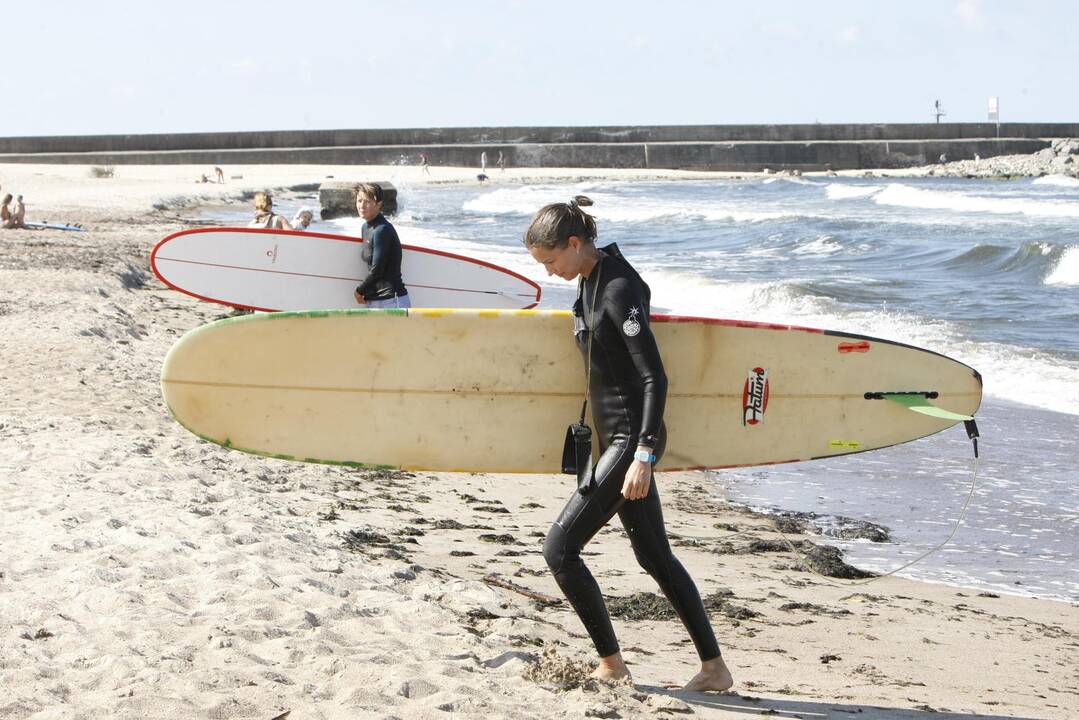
(755, 397)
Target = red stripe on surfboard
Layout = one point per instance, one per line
(731, 323)
(327, 236)
(834, 333)
(333, 277)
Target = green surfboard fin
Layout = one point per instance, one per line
(918, 403)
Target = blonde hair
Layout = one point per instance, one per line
(263, 202)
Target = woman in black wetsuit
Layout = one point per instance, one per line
(627, 391)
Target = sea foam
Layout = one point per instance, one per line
(901, 195)
(1066, 181)
(1066, 271)
(836, 191)
(616, 207)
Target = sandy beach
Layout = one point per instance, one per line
(148, 574)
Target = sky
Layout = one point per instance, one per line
(113, 67)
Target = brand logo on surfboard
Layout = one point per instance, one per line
(272, 254)
(858, 347)
(755, 397)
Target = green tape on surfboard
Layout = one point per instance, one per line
(918, 404)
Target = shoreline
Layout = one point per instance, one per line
(151, 574)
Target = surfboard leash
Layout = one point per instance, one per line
(971, 427)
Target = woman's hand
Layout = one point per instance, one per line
(359, 298)
(638, 480)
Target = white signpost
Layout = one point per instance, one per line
(994, 112)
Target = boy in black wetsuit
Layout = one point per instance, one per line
(627, 390)
(381, 251)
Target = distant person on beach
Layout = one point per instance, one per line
(220, 174)
(6, 221)
(302, 219)
(943, 158)
(424, 165)
(265, 217)
(483, 161)
(381, 251)
(18, 213)
(501, 162)
(627, 391)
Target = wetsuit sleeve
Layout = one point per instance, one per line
(626, 306)
(380, 257)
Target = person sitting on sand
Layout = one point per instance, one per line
(18, 213)
(302, 219)
(6, 220)
(627, 391)
(265, 217)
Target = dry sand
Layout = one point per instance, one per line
(147, 574)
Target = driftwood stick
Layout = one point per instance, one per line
(500, 582)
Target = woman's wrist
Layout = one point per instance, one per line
(644, 454)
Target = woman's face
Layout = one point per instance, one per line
(305, 218)
(564, 262)
(367, 207)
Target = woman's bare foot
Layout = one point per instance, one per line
(714, 675)
(612, 669)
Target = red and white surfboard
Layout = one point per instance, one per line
(275, 270)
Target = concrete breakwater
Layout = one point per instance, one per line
(710, 147)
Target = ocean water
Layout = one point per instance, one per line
(984, 271)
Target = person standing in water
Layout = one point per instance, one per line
(383, 286)
(627, 391)
(303, 218)
(265, 217)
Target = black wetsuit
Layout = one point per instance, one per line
(628, 390)
(382, 252)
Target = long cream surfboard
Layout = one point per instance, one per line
(492, 391)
